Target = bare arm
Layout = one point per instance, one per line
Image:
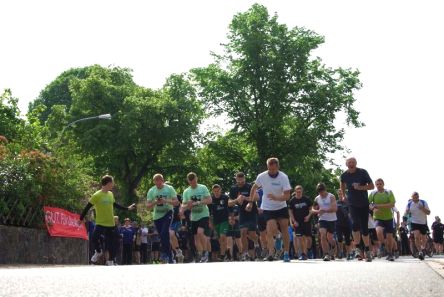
(342, 186)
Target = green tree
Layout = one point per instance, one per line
(151, 130)
(275, 94)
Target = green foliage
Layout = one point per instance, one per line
(274, 93)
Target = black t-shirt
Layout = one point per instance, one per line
(342, 214)
(300, 207)
(355, 197)
(438, 229)
(219, 209)
(235, 191)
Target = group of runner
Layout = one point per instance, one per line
(256, 217)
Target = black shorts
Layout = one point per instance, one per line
(439, 239)
(234, 231)
(386, 224)
(373, 235)
(343, 233)
(303, 229)
(359, 216)
(329, 225)
(249, 223)
(276, 214)
(155, 247)
(203, 223)
(261, 223)
(421, 228)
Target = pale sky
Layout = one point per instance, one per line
(397, 45)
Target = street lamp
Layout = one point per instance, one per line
(105, 116)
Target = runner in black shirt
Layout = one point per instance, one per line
(355, 182)
(240, 194)
(219, 215)
(299, 209)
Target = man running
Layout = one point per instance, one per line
(325, 207)
(219, 216)
(438, 235)
(276, 191)
(299, 209)
(343, 228)
(175, 229)
(163, 198)
(381, 202)
(419, 210)
(355, 182)
(240, 195)
(196, 198)
(104, 203)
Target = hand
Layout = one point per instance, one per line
(344, 198)
(240, 199)
(321, 212)
(260, 210)
(306, 219)
(132, 206)
(190, 204)
(249, 207)
(356, 186)
(295, 224)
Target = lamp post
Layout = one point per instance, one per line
(105, 116)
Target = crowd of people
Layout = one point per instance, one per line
(263, 221)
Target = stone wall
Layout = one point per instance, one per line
(34, 246)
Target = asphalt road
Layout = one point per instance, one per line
(405, 277)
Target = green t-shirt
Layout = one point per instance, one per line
(103, 203)
(382, 198)
(198, 194)
(168, 193)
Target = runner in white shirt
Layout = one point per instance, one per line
(276, 191)
(325, 207)
(419, 210)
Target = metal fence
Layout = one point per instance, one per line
(14, 213)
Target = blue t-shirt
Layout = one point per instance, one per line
(356, 198)
(127, 234)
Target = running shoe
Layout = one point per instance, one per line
(390, 258)
(303, 257)
(327, 258)
(109, 263)
(286, 257)
(96, 257)
(368, 256)
(270, 258)
(421, 256)
(396, 255)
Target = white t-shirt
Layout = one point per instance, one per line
(144, 236)
(325, 204)
(276, 186)
(418, 216)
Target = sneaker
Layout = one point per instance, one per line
(390, 258)
(368, 256)
(244, 257)
(109, 263)
(264, 253)
(303, 257)
(257, 251)
(350, 257)
(421, 256)
(179, 256)
(327, 258)
(357, 253)
(286, 257)
(396, 255)
(379, 253)
(96, 257)
(269, 258)
(204, 259)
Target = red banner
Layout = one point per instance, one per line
(63, 223)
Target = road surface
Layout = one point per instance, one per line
(405, 277)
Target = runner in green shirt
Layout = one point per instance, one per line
(196, 198)
(162, 198)
(104, 203)
(381, 202)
